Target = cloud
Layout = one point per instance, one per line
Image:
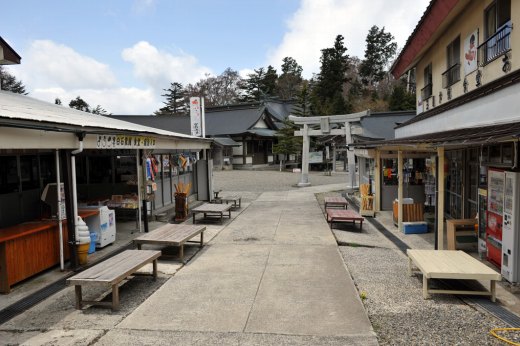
(48, 64)
(316, 24)
(158, 68)
(123, 101)
(143, 6)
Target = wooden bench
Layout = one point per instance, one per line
(237, 201)
(111, 272)
(448, 264)
(210, 209)
(342, 215)
(336, 202)
(172, 235)
(459, 227)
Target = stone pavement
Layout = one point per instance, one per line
(274, 275)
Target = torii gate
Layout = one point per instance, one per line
(324, 122)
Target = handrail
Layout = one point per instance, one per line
(495, 45)
(451, 75)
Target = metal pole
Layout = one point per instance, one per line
(400, 191)
(139, 187)
(60, 216)
(440, 199)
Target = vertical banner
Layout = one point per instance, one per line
(195, 117)
(470, 52)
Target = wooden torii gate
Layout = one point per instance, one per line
(324, 122)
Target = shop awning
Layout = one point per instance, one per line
(460, 137)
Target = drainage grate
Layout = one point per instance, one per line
(485, 303)
(31, 300)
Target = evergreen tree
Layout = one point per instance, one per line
(57, 101)
(328, 90)
(79, 104)
(379, 50)
(401, 100)
(290, 80)
(302, 108)
(269, 81)
(287, 143)
(260, 85)
(99, 110)
(175, 103)
(9, 82)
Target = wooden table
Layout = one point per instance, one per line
(448, 264)
(237, 201)
(172, 235)
(453, 232)
(336, 202)
(342, 215)
(111, 272)
(210, 209)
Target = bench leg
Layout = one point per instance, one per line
(79, 298)
(181, 253)
(425, 287)
(410, 267)
(201, 238)
(154, 264)
(139, 246)
(493, 291)
(221, 217)
(229, 213)
(361, 225)
(115, 297)
(193, 218)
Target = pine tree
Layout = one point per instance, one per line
(328, 90)
(287, 143)
(401, 100)
(175, 103)
(290, 80)
(302, 108)
(79, 104)
(9, 82)
(379, 50)
(260, 85)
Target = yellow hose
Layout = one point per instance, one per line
(493, 332)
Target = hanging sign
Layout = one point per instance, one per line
(124, 142)
(195, 117)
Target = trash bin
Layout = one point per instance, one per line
(92, 247)
(181, 206)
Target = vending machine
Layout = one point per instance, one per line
(495, 210)
(510, 228)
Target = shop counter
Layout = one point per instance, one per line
(30, 248)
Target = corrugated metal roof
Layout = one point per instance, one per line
(467, 136)
(23, 108)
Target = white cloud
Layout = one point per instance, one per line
(51, 70)
(316, 24)
(48, 64)
(244, 73)
(143, 6)
(121, 101)
(158, 68)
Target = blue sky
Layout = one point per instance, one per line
(121, 54)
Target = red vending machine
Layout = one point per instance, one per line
(495, 211)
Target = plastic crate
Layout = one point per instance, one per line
(415, 227)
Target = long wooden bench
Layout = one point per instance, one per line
(210, 209)
(448, 264)
(336, 202)
(172, 235)
(112, 272)
(342, 215)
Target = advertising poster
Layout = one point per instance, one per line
(470, 52)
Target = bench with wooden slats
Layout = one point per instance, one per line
(342, 215)
(172, 235)
(336, 202)
(235, 200)
(209, 209)
(449, 264)
(111, 272)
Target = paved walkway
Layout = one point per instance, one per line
(272, 276)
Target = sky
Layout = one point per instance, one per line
(123, 54)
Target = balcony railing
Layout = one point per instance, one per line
(495, 46)
(451, 76)
(426, 92)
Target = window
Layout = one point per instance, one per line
(452, 73)
(497, 31)
(427, 91)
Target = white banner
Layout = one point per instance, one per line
(195, 117)
(470, 52)
(124, 142)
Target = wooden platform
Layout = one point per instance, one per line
(172, 235)
(342, 215)
(212, 210)
(336, 202)
(111, 272)
(447, 264)
(235, 200)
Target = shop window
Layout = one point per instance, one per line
(9, 181)
(29, 172)
(497, 31)
(100, 169)
(507, 153)
(497, 15)
(47, 169)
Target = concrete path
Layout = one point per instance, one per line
(272, 276)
